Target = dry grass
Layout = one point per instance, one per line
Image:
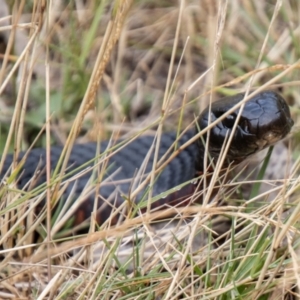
(170, 60)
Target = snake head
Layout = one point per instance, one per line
(265, 120)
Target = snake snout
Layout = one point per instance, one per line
(276, 121)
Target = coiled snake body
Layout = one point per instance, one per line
(265, 119)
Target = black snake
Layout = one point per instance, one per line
(265, 119)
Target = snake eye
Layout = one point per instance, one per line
(244, 124)
(229, 121)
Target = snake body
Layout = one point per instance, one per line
(264, 120)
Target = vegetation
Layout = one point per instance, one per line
(89, 70)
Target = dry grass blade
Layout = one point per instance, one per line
(113, 31)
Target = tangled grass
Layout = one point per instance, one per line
(90, 70)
